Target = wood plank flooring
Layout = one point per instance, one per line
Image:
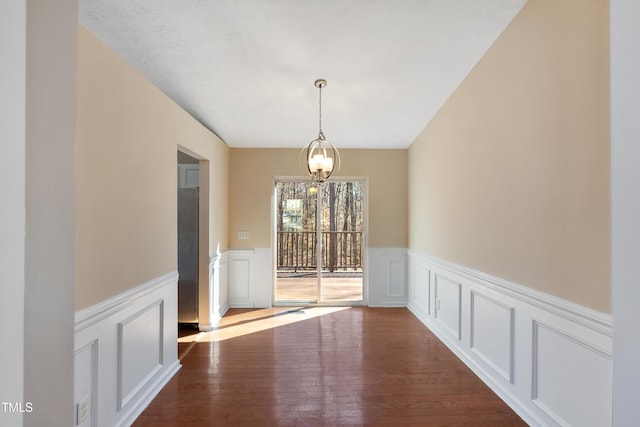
(323, 366)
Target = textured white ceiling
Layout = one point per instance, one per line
(246, 68)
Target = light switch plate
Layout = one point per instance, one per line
(243, 235)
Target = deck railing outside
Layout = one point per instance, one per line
(341, 250)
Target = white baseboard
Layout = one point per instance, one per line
(153, 388)
(549, 359)
(126, 351)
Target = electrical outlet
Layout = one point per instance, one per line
(83, 408)
(243, 235)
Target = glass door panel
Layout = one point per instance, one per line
(296, 246)
(342, 242)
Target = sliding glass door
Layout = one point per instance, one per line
(319, 242)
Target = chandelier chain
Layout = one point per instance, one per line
(320, 134)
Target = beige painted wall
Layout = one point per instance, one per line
(512, 175)
(128, 135)
(251, 177)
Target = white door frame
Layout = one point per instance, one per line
(364, 182)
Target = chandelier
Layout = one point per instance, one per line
(322, 156)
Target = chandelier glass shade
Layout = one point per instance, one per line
(322, 156)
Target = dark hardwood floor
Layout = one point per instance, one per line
(323, 367)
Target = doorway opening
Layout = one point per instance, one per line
(188, 240)
(320, 234)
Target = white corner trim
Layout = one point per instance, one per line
(95, 313)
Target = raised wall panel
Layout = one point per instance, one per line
(140, 350)
(547, 358)
(218, 289)
(386, 281)
(571, 378)
(448, 305)
(395, 278)
(240, 273)
(261, 278)
(250, 278)
(131, 339)
(491, 333)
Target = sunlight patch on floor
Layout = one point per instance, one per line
(253, 315)
(260, 320)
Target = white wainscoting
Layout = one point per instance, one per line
(387, 273)
(218, 288)
(126, 350)
(250, 278)
(549, 359)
